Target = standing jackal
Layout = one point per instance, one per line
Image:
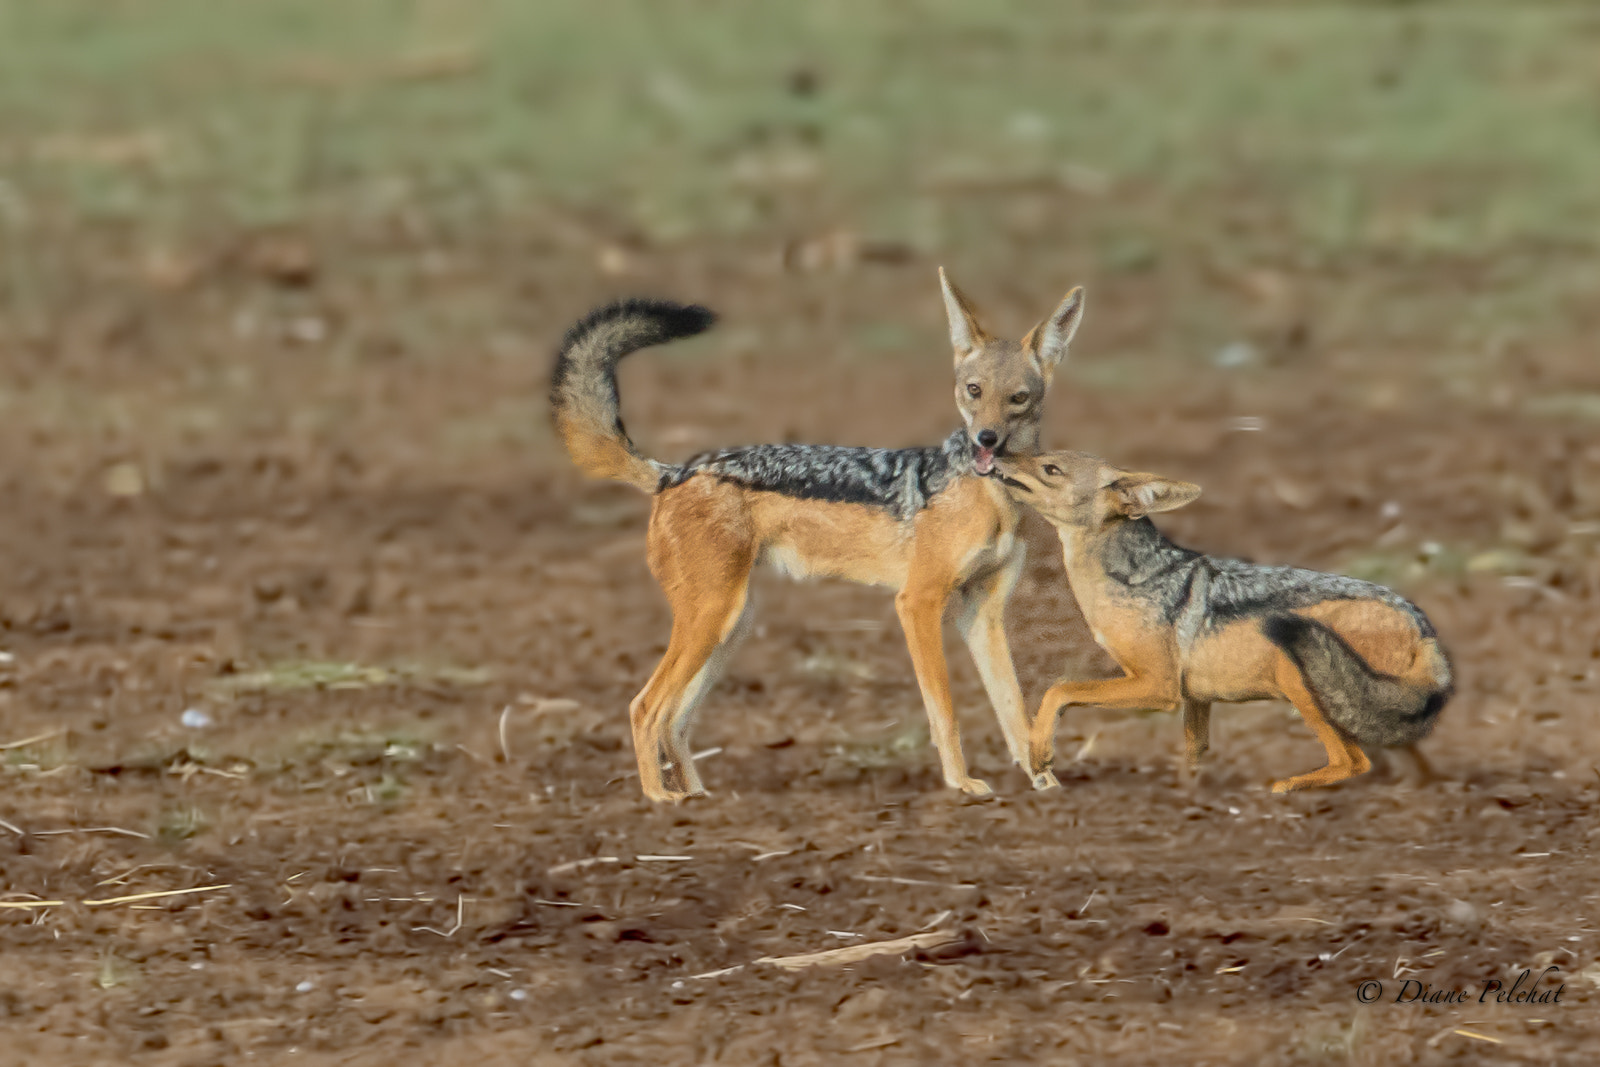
(927, 522)
(1361, 663)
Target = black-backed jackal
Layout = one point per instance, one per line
(926, 522)
(1361, 664)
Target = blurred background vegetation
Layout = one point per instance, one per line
(1426, 173)
(1409, 128)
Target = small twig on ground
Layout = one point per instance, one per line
(13, 828)
(505, 742)
(856, 953)
(93, 830)
(218, 772)
(35, 739)
(915, 881)
(461, 911)
(155, 895)
(1453, 1028)
(116, 878)
(578, 865)
(875, 1043)
(1479, 1037)
(1086, 748)
(663, 859)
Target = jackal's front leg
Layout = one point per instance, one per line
(982, 622)
(921, 611)
(1137, 691)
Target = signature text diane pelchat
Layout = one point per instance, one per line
(1528, 988)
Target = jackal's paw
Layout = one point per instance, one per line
(974, 787)
(1045, 780)
(1289, 785)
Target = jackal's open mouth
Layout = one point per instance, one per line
(983, 458)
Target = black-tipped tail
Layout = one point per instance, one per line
(583, 386)
(1372, 707)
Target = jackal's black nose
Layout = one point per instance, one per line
(988, 439)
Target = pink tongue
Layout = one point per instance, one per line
(984, 461)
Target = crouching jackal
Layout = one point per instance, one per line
(1360, 662)
(926, 522)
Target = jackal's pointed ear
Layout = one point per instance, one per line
(965, 333)
(1144, 494)
(1048, 341)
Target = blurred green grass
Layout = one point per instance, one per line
(1409, 178)
(1415, 127)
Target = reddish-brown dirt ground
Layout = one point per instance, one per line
(395, 889)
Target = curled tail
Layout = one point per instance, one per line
(583, 388)
(1372, 707)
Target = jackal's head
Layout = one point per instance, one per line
(1000, 385)
(1075, 489)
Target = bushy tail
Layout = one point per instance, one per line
(583, 388)
(1372, 707)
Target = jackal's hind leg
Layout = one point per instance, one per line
(1196, 730)
(1404, 765)
(702, 557)
(1345, 758)
(681, 719)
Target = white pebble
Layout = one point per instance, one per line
(519, 994)
(305, 987)
(195, 719)
(1236, 354)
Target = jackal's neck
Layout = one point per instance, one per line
(1129, 552)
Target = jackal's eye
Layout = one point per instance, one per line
(1019, 398)
(974, 390)
(1051, 468)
